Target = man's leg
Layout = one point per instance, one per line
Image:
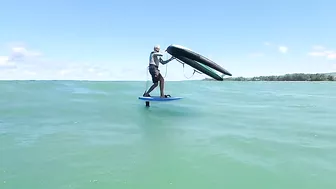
(151, 89)
(155, 78)
(161, 86)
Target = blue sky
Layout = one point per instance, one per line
(111, 40)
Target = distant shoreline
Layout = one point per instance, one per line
(286, 77)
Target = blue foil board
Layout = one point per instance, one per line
(158, 98)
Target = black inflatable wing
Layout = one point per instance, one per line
(197, 61)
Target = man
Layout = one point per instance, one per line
(154, 62)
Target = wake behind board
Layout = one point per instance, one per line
(158, 98)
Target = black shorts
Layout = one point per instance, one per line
(155, 73)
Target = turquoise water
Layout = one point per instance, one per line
(80, 134)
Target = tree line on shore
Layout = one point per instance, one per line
(287, 77)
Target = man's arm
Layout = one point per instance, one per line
(166, 61)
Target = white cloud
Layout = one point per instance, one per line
(23, 63)
(3, 60)
(283, 49)
(21, 54)
(320, 51)
(17, 54)
(5, 63)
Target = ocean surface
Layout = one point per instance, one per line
(237, 135)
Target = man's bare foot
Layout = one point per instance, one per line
(165, 96)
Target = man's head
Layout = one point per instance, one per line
(157, 48)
